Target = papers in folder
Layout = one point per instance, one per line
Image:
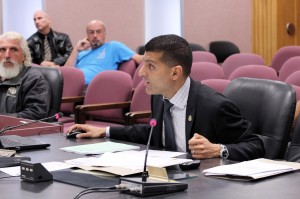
(127, 162)
(251, 170)
(98, 148)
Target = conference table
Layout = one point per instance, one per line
(281, 186)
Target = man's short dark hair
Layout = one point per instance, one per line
(175, 49)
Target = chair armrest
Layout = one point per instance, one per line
(131, 117)
(80, 110)
(72, 99)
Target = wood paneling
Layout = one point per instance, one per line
(269, 21)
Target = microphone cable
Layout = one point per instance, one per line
(115, 188)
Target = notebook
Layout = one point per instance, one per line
(18, 143)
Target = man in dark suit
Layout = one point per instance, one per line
(205, 123)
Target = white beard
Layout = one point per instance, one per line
(10, 72)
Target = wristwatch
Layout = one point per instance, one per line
(224, 152)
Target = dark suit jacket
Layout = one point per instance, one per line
(208, 113)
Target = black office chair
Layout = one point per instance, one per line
(55, 79)
(293, 151)
(223, 49)
(270, 106)
(140, 50)
(197, 47)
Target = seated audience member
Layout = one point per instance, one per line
(200, 121)
(48, 47)
(24, 92)
(93, 55)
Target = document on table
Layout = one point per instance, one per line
(130, 161)
(98, 148)
(50, 166)
(251, 170)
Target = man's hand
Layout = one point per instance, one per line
(202, 148)
(83, 44)
(90, 131)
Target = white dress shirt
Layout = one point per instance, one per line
(178, 113)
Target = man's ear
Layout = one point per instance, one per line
(177, 72)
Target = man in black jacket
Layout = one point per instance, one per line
(24, 92)
(48, 47)
(204, 122)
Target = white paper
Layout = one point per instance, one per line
(131, 159)
(252, 168)
(167, 154)
(99, 148)
(50, 166)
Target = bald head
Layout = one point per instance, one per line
(42, 22)
(95, 23)
(96, 33)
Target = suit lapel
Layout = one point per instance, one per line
(157, 111)
(190, 112)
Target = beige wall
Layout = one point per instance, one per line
(210, 20)
(124, 19)
(203, 20)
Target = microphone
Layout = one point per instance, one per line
(145, 172)
(142, 187)
(56, 116)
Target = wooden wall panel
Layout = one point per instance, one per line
(264, 27)
(269, 21)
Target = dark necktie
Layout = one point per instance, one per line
(170, 144)
(47, 50)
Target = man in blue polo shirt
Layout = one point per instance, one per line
(93, 55)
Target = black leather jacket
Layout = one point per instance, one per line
(27, 96)
(61, 47)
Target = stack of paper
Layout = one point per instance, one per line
(251, 170)
(128, 162)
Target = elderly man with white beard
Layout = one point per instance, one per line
(24, 92)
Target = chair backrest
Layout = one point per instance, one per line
(140, 101)
(288, 67)
(140, 50)
(128, 67)
(196, 47)
(223, 49)
(109, 87)
(240, 59)
(283, 54)
(136, 78)
(254, 71)
(218, 85)
(73, 86)
(270, 106)
(204, 56)
(56, 81)
(206, 70)
(293, 151)
(293, 78)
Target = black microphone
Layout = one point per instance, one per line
(56, 116)
(145, 172)
(142, 187)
